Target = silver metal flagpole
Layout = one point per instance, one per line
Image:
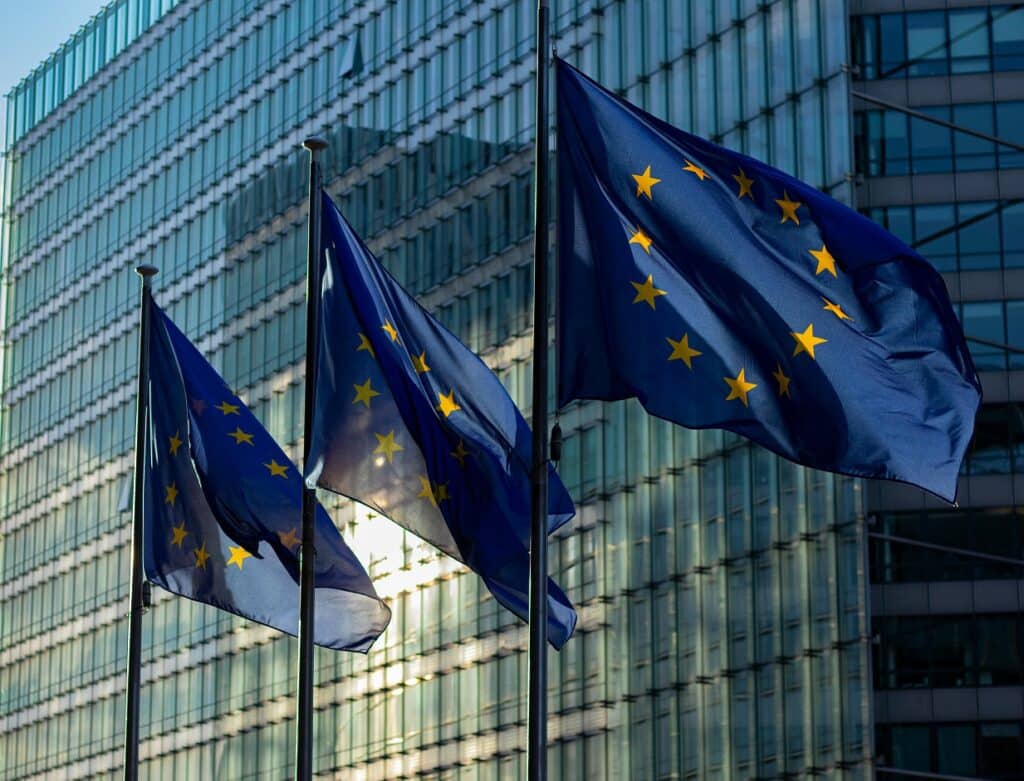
(136, 589)
(307, 556)
(538, 711)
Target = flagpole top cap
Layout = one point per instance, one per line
(315, 143)
(146, 271)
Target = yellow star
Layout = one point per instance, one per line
(788, 208)
(681, 351)
(276, 469)
(179, 534)
(806, 341)
(240, 436)
(441, 492)
(175, 444)
(739, 387)
(238, 555)
(644, 183)
(386, 444)
(745, 184)
(419, 363)
(364, 344)
(835, 309)
(782, 379)
(447, 403)
(642, 239)
(460, 453)
(390, 331)
(825, 261)
(201, 556)
(290, 538)
(171, 495)
(646, 292)
(697, 171)
(228, 408)
(364, 393)
(426, 491)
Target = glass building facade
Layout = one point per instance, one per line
(722, 592)
(949, 650)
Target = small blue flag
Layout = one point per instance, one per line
(223, 508)
(411, 422)
(723, 293)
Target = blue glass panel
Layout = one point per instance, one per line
(927, 44)
(935, 236)
(984, 320)
(1008, 38)
(968, 40)
(893, 45)
(979, 235)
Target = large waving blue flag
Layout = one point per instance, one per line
(723, 293)
(223, 507)
(412, 423)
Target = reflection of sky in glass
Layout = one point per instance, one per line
(41, 27)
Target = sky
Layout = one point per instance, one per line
(34, 29)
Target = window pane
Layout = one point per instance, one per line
(968, 34)
(1008, 38)
(984, 320)
(972, 153)
(1002, 750)
(926, 43)
(931, 145)
(979, 236)
(1015, 331)
(893, 45)
(911, 748)
(956, 752)
(895, 144)
(1010, 126)
(900, 221)
(999, 652)
(990, 447)
(933, 237)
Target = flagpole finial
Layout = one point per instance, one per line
(315, 143)
(146, 271)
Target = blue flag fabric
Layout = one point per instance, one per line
(723, 293)
(412, 423)
(223, 508)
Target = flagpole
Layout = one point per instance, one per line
(536, 757)
(307, 557)
(136, 598)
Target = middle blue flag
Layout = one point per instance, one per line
(411, 422)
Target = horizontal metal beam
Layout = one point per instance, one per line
(946, 549)
(1007, 347)
(935, 120)
(895, 771)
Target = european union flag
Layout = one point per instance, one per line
(222, 511)
(723, 293)
(412, 423)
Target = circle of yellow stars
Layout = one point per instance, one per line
(179, 532)
(647, 292)
(388, 443)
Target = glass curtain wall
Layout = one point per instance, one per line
(721, 592)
